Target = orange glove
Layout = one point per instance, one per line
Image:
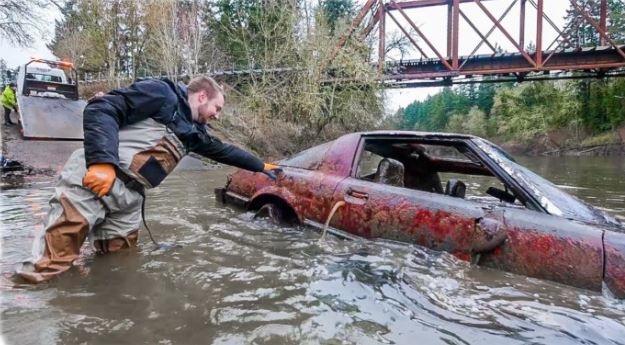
(99, 178)
(269, 166)
(271, 170)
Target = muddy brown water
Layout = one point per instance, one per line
(234, 281)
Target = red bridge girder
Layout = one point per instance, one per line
(599, 59)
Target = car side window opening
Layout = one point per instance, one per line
(447, 168)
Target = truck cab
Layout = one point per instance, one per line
(46, 78)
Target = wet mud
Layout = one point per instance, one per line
(40, 159)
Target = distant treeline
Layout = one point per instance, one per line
(521, 111)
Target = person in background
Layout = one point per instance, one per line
(9, 103)
(133, 138)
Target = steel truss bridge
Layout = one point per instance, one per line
(452, 51)
(540, 48)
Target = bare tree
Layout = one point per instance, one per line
(73, 46)
(137, 37)
(20, 20)
(162, 23)
(190, 34)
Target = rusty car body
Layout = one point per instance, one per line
(450, 192)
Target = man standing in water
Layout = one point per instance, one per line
(133, 138)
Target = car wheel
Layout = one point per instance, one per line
(271, 211)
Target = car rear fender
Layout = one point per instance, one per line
(550, 247)
(275, 194)
(614, 262)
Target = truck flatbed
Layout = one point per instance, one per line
(51, 118)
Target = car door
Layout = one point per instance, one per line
(433, 220)
(310, 190)
(534, 244)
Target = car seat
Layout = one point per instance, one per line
(390, 172)
(455, 188)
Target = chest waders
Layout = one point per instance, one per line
(135, 185)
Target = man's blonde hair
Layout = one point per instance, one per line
(205, 83)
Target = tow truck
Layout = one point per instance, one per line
(47, 96)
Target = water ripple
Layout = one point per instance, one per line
(237, 281)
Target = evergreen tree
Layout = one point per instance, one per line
(254, 32)
(335, 11)
(5, 74)
(580, 33)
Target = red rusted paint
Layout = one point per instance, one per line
(462, 256)
(340, 156)
(614, 275)
(242, 183)
(401, 218)
(544, 244)
(536, 244)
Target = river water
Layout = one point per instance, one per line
(234, 281)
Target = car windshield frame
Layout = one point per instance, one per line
(553, 199)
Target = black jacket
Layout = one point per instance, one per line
(164, 102)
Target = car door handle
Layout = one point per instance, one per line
(358, 194)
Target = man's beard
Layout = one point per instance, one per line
(195, 114)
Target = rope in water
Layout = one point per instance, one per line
(336, 206)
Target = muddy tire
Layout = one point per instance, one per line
(272, 212)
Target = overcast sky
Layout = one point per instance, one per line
(431, 21)
(15, 56)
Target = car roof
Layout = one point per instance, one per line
(391, 133)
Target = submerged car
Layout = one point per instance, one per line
(450, 192)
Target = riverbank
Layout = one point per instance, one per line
(593, 150)
(532, 149)
(32, 160)
(563, 142)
